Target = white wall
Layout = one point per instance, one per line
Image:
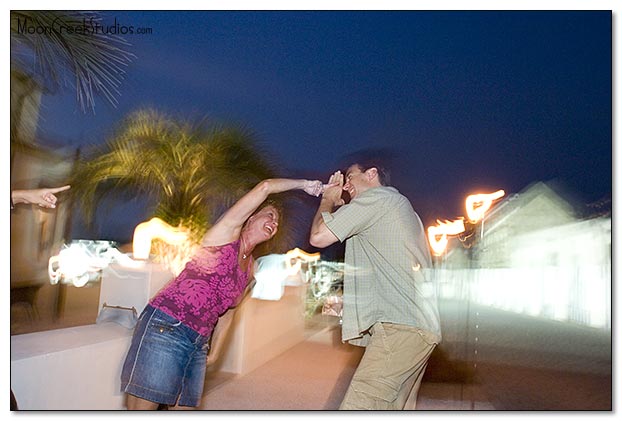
(69, 369)
(79, 368)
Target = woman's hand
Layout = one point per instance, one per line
(314, 188)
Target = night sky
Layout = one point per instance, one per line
(459, 101)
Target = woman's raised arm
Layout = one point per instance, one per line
(229, 225)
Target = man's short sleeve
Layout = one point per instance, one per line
(355, 217)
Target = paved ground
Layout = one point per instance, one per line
(522, 364)
(314, 375)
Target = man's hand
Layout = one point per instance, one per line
(43, 197)
(334, 188)
(320, 235)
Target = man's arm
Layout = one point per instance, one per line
(45, 198)
(321, 236)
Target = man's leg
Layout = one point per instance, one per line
(411, 401)
(391, 368)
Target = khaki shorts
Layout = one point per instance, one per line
(390, 372)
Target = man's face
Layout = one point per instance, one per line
(356, 181)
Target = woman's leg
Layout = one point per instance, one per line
(139, 404)
(153, 369)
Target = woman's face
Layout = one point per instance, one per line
(265, 223)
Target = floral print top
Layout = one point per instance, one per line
(209, 285)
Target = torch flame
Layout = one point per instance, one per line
(437, 235)
(299, 256)
(145, 232)
(478, 204)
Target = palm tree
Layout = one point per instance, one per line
(57, 42)
(191, 171)
(49, 52)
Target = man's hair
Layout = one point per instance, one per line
(372, 158)
(384, 177)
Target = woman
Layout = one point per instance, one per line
(167, 358)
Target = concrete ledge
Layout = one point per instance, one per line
(78, 368)
(264, 329)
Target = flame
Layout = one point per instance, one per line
(437, 235)
(299, 256)
(145, 232)
(82, 261)
(478, 204)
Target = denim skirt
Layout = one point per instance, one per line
(166, 360)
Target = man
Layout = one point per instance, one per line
(389, 299)
(43, 197)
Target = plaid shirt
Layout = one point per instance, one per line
(388, 266)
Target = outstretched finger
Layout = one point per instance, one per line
(59, 189)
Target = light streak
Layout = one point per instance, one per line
(478, 204)
(324, 275)
(476, 207)
(275, 271)
(299, 257)
(437, 235)
(83, 260)
(145, 232)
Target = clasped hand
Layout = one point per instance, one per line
(316, 187)
(332, 190)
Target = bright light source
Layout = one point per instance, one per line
(437, 235)
(145, 232)
(275, 271)
(82, 261)
(478, 204)
(298, 257)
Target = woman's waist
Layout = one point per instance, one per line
(201, 322)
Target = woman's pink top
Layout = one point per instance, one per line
(211, 283)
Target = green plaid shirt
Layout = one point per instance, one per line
(388, 268)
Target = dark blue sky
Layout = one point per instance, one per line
(462, 101)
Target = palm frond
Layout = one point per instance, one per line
(190, 170)
(96, 61)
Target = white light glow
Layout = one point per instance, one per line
(275, 271)
(478, 204)
(145, 232)
(437, 235)
(324, 276)
(82, 261)
(546, 276)
(299, 257)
